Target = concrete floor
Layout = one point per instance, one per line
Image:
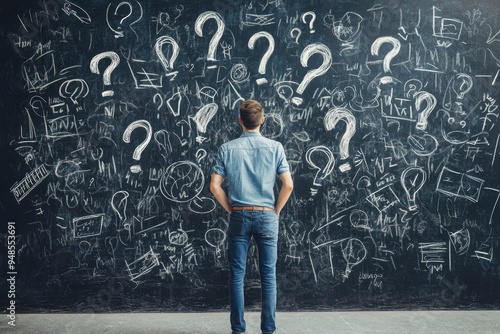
(384, 322)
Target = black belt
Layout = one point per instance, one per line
(251, 208)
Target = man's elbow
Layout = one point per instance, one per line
(288, 186)
(213, 188)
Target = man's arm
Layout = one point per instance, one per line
(285, 191)
(219, 193)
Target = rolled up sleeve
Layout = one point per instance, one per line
(219, 166)
(282, 165)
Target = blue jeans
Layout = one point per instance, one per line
(263, 226)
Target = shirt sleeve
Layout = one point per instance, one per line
(282, 162)
(219, 166)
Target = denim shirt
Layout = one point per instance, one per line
(250, 164)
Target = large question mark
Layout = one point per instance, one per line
(396, 46)
(138, 150)
(309, 50)
(168, 64)
(332, 117)
(311, 23)
(323, 171)
(423, 115)
(267, 54)
(198, 28)
(94, 68)
(118, 30)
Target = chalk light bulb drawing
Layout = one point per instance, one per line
(412, 180)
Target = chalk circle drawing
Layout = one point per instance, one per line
(202, 205)
(424, 145)
(273, 126)
(182, 181)
(359, 219)
(285, 90)
(215, 237)
(239, 73)
(354, 252)
(178, 237)
(348, 27)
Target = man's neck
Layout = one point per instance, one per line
(257, 129)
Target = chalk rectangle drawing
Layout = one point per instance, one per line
(29, 182)
(383, 198)
(458, 184)
(87, 226)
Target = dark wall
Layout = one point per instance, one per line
(388, 112)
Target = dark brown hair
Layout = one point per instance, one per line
(251, 113)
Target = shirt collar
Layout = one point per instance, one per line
(251, 134)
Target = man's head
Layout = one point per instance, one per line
(251, 114)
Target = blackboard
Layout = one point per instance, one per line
(113, 112)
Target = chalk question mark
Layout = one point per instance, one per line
(292, 34)
(140, 148)
(110, 17)
(168, 64)
(431, 103)
(396, 46)
(106, 77)
(315, 48)
(311, 23)
(74, 89)
(267, 54)
(332, 117)
(324, 167)
(198, 28)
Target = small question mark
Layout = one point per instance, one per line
(79, 89)
(332, 117)
(200, 154)
(311, 23)
(396, 46)
(168, 64)
(157, 96)
(198, 28)
(423, 115)
(140, 148)
(324, 167)
(298, 31)
(267, 54)
(309, 50)
(94, 68)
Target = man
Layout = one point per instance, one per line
(250, 164)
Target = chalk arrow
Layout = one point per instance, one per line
(492, 39)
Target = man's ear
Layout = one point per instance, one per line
(240, 122)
